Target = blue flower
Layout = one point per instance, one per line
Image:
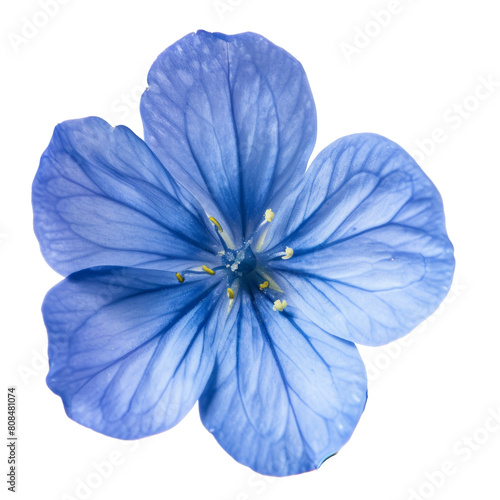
(205, 263)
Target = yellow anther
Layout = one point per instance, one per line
(279, 306)
(272, 284)
(180, 277)
(230, 294)
(214, 221)
(207, 269)
(264, 285)
(269, 215)
(289, 253)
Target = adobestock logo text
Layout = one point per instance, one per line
(454, 117)
(365, 33)
(32, 25)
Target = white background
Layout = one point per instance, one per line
(426, 394)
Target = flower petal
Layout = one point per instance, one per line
(101, 197)
(371, 255)
(285, 395)
(233, 119)
(131, 349)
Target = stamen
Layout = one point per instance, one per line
(269, 215)
(223, 237)
(214, 221)
(264, 285)
(201, 270)
(230, 294)
(208, 270)
(289, 253)
(279, 306)
(261, 239)
(180, 277)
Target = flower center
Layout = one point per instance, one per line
(239, 262)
